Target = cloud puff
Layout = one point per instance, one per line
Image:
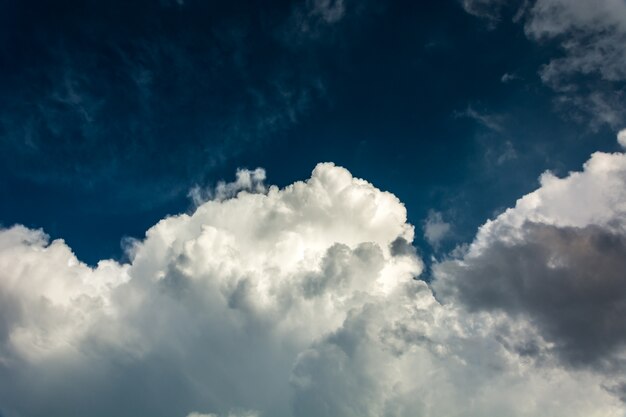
(621, 138)
(247, 180)
(488, 9)
(435, 228)
(554, 264)
(294, 302)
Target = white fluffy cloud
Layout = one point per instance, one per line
(294, 302)
(621, 138)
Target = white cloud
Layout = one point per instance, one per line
(621, 138)
(247, 180)
(595, 32)
(435, 228)
(298, 301)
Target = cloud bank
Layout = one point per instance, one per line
(303, 301)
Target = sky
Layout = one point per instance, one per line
(313, 208)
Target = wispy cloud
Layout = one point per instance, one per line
(590, 68)
(491, 121)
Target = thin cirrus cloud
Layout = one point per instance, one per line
(299, 302)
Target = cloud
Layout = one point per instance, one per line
(490, 121)
(247, 180)
(554, 264)
(508, 77)
(435, 229)
(621, 138)
(311, 19)
(591, 66)
(487, 9)
(298, 301)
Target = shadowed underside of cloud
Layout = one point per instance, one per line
(555, 264)
(301, 302)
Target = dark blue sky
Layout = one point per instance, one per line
(111, 111)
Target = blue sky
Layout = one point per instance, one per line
(312, 208)
(111, 112)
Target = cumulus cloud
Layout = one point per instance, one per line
(592, 40)
(435, 228)
(293, 302)
(621, 138)
(246, 180)
(554, 264)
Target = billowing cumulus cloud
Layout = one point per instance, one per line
(555, 264)
(302, 302)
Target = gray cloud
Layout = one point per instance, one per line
(569, 282)
(435, 228)
(487, 9)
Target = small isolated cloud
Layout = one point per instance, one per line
(508, 77)
(486, 9)
(435, 228)
(251, 181)
(621, 138)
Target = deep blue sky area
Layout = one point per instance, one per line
(111, 111)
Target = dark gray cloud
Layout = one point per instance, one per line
(569, 282)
